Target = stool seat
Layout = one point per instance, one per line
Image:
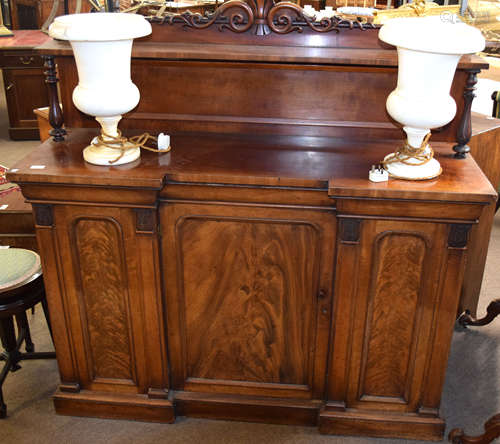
(18, 267)
(21, 288)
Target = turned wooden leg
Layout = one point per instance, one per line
(55, 112)
(45, 308)
(11, 356)
(491, 432)
(10, 345)
(464, 131)
(492, 312)
(22, 323)
(3, 407)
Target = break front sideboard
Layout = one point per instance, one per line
(253, 272)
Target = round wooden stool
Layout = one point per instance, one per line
(21, 287)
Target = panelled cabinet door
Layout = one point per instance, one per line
(401, 301)
(109, 283)
(25, 90)
(248, 298)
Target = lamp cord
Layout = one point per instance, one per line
(407, 152)
(124, 144)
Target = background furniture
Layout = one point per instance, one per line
(492, 426)
(485, 148)
(491, 432)
(17, 227)
(24, 82)
(21, 288)
(32, 14)
(42, 117)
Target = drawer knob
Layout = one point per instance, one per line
(9, 86)
(322, 294)
(26, 60)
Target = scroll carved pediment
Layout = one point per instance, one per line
(261, 16)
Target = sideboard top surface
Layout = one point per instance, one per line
(337, 165)
(383, 57)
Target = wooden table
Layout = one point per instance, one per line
(17, 228)
(285, 286)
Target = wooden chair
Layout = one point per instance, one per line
(492, 426)
(491, 432)
(21, 288)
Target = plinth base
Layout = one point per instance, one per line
(381, 425)
(250, 409)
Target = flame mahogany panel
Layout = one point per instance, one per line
(112, 296)
(256, 327)
(101, 269)
(391, 329)
(254, 298)
(398, 267)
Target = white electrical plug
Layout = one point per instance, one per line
(378, 174)
(163, 141)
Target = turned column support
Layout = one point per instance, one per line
(464, 131)
(55, 112)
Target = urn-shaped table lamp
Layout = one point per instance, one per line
(102, 45)
(429, 49)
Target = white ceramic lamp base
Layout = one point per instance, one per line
(413, 162)
(103, 155)
(99, 153)
(412, 169)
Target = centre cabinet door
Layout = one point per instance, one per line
(248, 294)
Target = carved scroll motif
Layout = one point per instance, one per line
(287, 17)
(265, 16)
(239, 19)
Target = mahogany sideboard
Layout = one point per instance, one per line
(254, 273)
(259, 278)
(316, 84)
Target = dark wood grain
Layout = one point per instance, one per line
(310, 162)
(99, 247)
(398, 266)
(293, 89)
(362, 48)
(256, 327)
(253, 310)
